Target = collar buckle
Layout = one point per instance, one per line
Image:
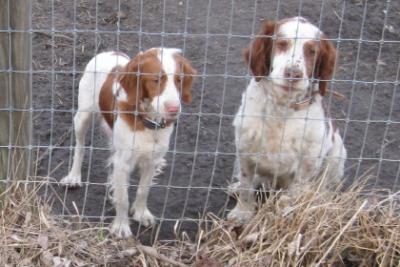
(153, 125)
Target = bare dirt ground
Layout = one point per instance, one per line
(69, 33)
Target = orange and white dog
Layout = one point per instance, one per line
(284, 137)
(139, 100)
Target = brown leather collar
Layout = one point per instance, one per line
(305, 103)
(146, 109)
(145, 113)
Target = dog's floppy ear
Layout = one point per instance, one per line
(325, 64)
(258, 55)
(130, 81)
(187, 73)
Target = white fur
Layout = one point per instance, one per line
(95, 74)
(145, 149)
(297, 33)
(170, 95)
(277, 144)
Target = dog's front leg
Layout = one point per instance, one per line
(244, 209)
(119, 183)
(139, 208)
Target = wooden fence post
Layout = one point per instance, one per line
(15, 84)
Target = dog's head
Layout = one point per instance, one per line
(160, 76)
(291, 52)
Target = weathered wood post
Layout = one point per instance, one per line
(15, 84)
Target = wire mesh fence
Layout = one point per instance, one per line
(65, 35)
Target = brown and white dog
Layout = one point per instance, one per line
(139, 100)
(283, 136)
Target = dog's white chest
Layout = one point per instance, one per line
(278, 142)
(146, 142)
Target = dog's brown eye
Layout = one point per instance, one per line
(282, 44)
(156, 80)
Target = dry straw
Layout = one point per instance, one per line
(315, 228)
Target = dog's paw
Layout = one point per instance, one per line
(240, 215)
(120, 228)
(71, 181)
(143, 216)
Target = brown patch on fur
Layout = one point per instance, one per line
(142, 78)
(126, 111)
(325, 64)
(320, 55)
(258, 55)
(106, 97)
(311, 54)
(184, 78)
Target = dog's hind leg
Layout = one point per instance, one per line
(81, 125)
(335, 161)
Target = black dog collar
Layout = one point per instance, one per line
(153, 125)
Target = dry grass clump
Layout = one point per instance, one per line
(313, 229)
(30, 236)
